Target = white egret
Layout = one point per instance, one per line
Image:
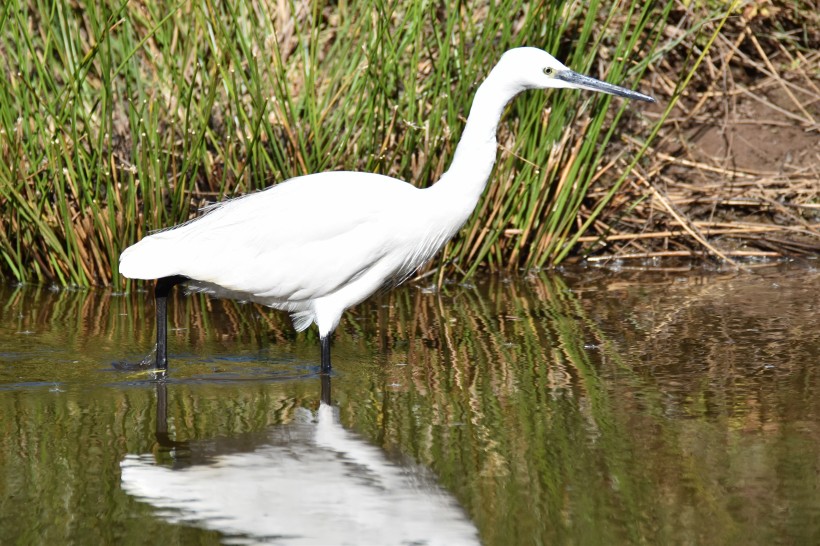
(316, 245)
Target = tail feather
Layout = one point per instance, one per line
(302, 319)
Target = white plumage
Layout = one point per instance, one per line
(318, 244)
(263, 249)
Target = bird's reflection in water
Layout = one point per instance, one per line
(308, 482)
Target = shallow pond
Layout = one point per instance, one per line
(585, 408)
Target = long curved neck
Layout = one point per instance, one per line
(465, 180)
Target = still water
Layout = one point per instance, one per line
(586, 407)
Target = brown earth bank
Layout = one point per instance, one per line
(735, 171)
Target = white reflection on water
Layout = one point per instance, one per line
(309, 483)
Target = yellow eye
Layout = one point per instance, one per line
(548, 71)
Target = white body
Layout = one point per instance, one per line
(318, 244)
(313, 246)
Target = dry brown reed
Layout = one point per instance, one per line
(735, 172)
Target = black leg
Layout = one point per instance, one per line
(325, 343)
(161, 291)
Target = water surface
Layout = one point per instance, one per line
(587, 407)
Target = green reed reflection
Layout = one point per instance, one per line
(501, 396)
(613, 413)
(586, 409)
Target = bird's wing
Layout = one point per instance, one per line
(298, 240)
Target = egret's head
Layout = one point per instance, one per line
(537, 69)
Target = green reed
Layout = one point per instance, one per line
(118, 118)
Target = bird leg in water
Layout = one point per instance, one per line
(325, 343)
(161, 291)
